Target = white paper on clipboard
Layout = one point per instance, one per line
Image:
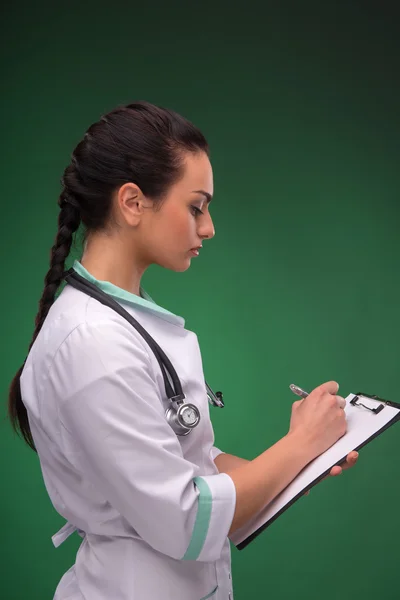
(362, 424)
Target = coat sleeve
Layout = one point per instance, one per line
(214, 452)
(111, 409)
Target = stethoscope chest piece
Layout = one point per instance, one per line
(182, 416)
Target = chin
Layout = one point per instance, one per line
(183, 266)
(177, 266)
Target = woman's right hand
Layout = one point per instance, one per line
(319, 418)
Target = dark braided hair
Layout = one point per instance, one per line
(139, 143)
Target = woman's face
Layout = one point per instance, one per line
(168, 234)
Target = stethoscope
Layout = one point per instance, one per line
(182, 416)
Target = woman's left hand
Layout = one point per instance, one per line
(351, 460)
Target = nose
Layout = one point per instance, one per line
(206, 227)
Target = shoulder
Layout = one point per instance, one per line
(77, 325)
(87, 345)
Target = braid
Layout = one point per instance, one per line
(68, 222)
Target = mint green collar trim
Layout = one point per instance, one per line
(144, 301)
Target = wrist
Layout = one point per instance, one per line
(302, 445)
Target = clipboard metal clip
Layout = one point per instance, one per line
(374, 410)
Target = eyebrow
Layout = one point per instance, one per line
(206, 194)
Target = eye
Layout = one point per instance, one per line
(196, 211)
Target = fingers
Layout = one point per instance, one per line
(330, 387)
(341, 401)
(336, 470)
(351, 460)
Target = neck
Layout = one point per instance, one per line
(108, 259)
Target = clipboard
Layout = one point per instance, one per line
(368, 416)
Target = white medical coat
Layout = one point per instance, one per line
(152, 509)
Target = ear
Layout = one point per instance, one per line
(131, 203)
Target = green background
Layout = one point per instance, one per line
(300, 104)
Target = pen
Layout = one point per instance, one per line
(298, 391)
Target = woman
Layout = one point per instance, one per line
(154, 508)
